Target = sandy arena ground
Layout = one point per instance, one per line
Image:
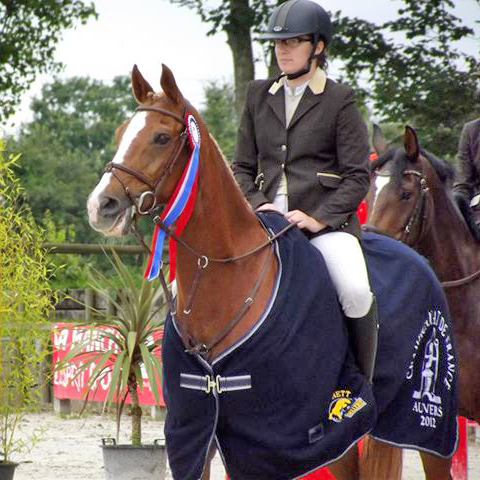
(70, 449)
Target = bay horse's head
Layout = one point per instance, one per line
(152, 151)
(405, 181)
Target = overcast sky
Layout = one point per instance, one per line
(152, 32)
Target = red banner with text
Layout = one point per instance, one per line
(67, 386)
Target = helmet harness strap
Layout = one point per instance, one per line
(306, 69)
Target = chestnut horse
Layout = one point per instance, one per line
(414, 203)
(226, 267)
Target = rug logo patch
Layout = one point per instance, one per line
(432, 369)
(344, 405)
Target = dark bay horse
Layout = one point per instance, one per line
(232, 268)
(413, 203)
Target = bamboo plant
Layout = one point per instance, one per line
(26, 301)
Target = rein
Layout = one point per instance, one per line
(202, 263)
(207, 260)
(202, 260)
(461, 281)
(204, 349)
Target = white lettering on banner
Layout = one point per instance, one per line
(105, 381)
(60, 339)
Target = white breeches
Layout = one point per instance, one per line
(346, 265)
(345, 262)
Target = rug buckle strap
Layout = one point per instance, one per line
(215, 384)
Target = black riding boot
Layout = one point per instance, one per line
(363, 339)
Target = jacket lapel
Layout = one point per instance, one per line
(307, 102)
(277, 104)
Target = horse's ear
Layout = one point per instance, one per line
(169, 86)
(410, 142)
(141, 88)
(378, 140)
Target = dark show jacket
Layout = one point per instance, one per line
(323, 152)
(468, 179)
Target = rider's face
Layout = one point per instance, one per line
(292, 54)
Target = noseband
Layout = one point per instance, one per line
(156, 185)
(419, 212)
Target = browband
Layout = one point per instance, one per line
(162, 111)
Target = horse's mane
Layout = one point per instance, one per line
(399, 162)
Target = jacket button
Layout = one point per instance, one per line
(284, 148)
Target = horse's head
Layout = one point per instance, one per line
(152, 150)
(401, 179)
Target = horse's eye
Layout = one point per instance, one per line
(161, 138)
(406, 195)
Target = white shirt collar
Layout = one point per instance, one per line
(295, 91)
(317, 83)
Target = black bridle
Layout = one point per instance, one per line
(419, 213)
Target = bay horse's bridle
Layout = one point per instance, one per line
(415, 217)
(419, 212)
(155, 185)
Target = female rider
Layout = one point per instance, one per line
(302, 150)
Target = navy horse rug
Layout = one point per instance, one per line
(288, 398)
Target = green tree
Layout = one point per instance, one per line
(25, 303)
(235, 18)
(29, 32)
(67, 270)
(220, 116)
(66, 146)
(411, 67)
(424, 79)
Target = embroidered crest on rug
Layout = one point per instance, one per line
(343, 404)
(432, 369)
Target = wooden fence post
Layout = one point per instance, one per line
(89, 304)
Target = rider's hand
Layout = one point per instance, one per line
(267, 207)
(304, 221)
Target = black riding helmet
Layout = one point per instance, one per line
(299, 17)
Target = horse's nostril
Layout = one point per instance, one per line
(109, 206)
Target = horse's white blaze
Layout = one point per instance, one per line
(136, 124)
(381, 181)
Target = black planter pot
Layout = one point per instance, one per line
(128, 462)
(7, 470)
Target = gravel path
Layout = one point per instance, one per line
(70, 449)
